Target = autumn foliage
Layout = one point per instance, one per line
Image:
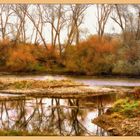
(93, 56)
(26, 57)
(136, 93)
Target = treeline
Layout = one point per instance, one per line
(42, 24)
(103, 56)
(95, 56)
(24, 42)
(27, 57)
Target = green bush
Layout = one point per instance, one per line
(127, 107)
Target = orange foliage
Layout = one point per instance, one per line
(28, 57)
(101, 45)
(20, 57)
(4, 42)
(51, 52)
(136, 93)
(93, 56)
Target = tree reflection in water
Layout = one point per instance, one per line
(54, 116)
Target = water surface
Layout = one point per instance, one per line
(64, 117)
(87, 80)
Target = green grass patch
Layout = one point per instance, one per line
(127, 107)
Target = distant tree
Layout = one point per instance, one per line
(123, 17)
(36, 17)
(128, 19)
(120, 15)
(137, 8)
(55, 16)
(75, 20)
(103, 12)
(5, 14)
(20, 11)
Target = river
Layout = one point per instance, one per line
(68, 117)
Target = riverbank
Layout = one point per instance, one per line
(123, 118)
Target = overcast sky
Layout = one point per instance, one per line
(91, 22)
(89, 26)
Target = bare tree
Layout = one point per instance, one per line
(5, 13)
(37, 21)
(55, 16)
(103, 12)
(76, 19)
(20, 11)
(122, 17)
(137, 27)
(128, 20)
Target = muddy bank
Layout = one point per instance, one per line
(122, 119)
(118, 126)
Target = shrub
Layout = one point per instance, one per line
(4, 46)
(128, 60)
(21, 58)
(26, 57)
(94, 56)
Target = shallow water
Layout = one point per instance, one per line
(55, 116)
(106, 81)
(11, 95)
(87, 80)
